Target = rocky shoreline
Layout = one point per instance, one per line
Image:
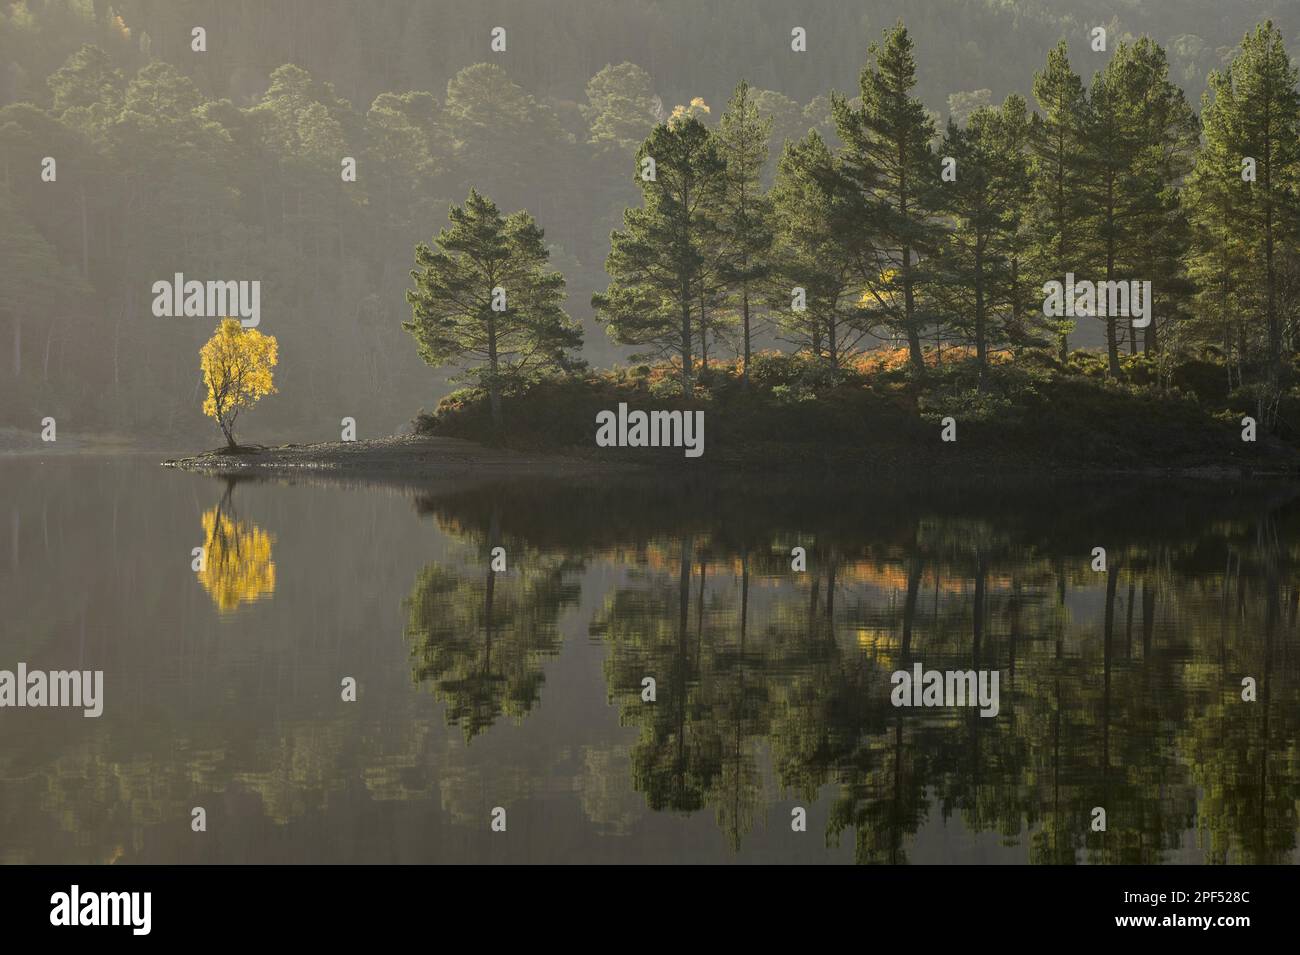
(408, 455)
(414, 459)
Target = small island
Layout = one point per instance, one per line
(902, 301)
(1035, 415)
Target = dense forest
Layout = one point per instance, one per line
(1118, 165)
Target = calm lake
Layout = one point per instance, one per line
(523, 689)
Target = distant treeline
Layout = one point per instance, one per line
(174, 161)
(691, 47)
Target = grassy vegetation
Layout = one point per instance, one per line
(1037, 413)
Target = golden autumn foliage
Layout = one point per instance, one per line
(883, 294)
(236, 363)
(696, 108)
(888, 359)
(237, 565)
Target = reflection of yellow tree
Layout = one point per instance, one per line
(237, 565)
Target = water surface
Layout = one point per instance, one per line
(523, 689)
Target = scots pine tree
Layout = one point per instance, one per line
(1260, 121)
(892, 179)
(484, 300)
(744, 212)
(986, 203)
(1218, 260)
(655, 260)
(1109, 188)
(1056, 173)
(811, 253)
(1168, 134)
(1137, 149)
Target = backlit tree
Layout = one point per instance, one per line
(237, 365)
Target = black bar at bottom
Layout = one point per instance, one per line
(333, 904)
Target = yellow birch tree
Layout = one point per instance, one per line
(236, 363)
